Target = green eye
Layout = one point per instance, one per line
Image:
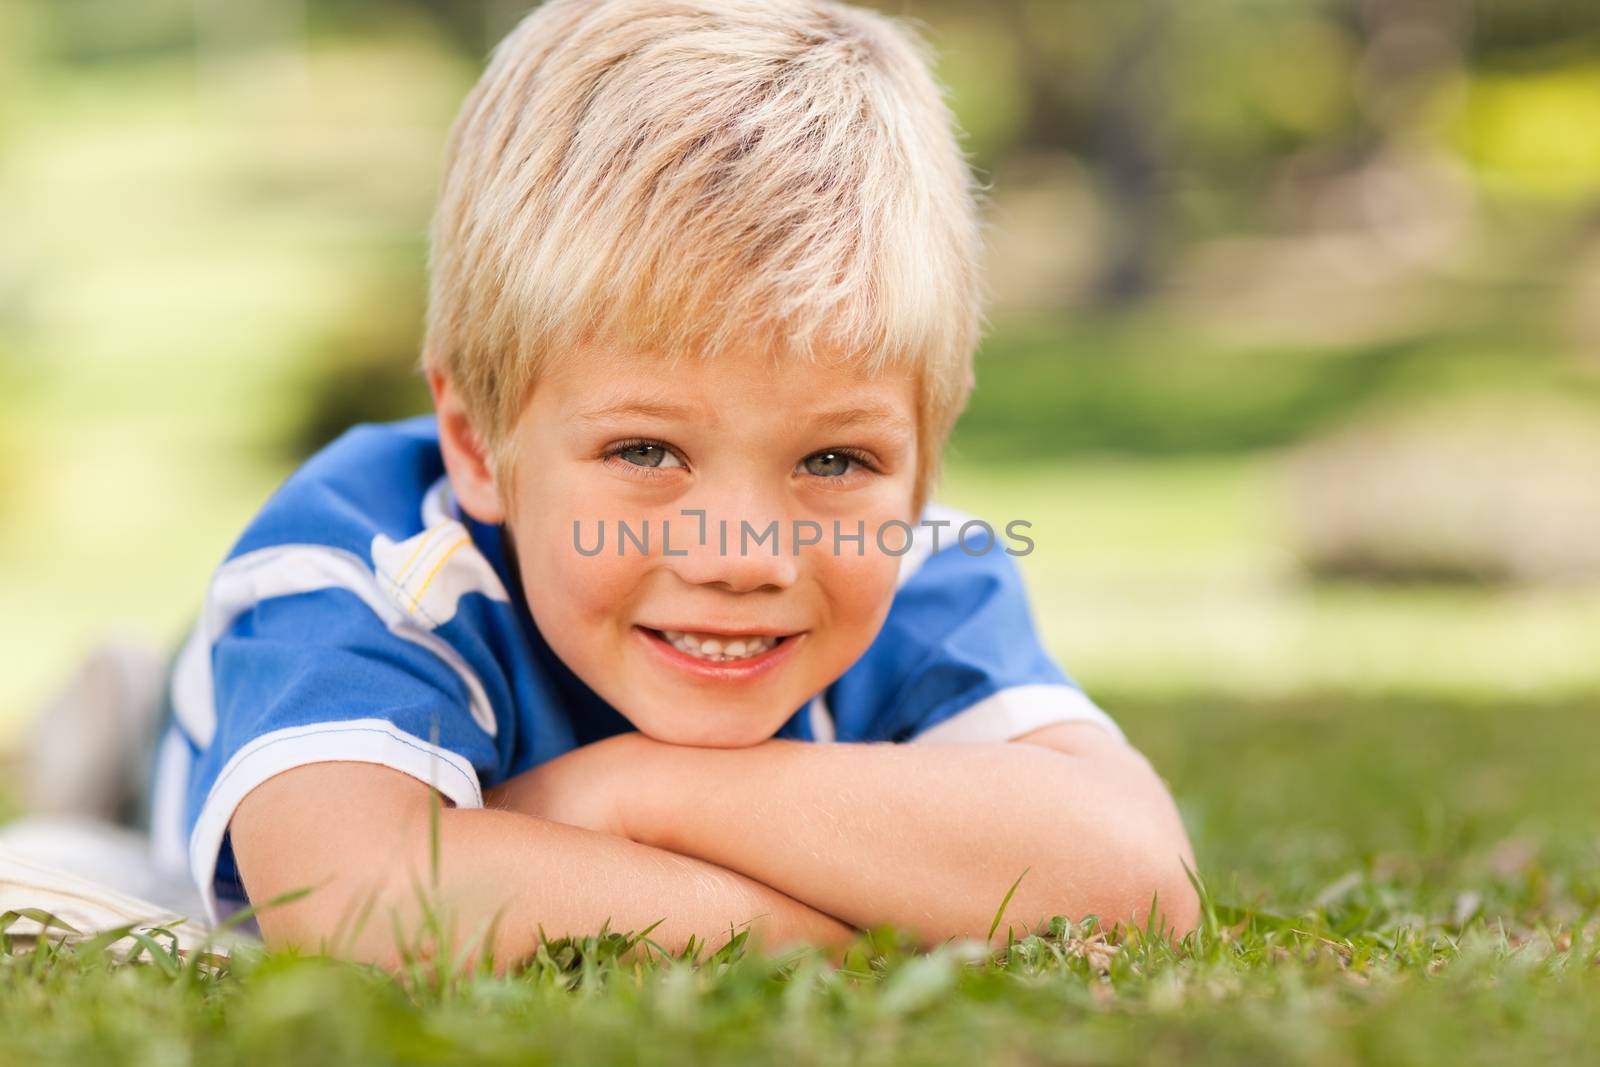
(828, 464)
(644, 455)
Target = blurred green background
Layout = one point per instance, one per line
(1294, 359)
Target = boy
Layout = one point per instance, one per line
(703, 278)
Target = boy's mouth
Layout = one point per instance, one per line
(718, 648)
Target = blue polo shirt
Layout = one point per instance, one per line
(362, 616)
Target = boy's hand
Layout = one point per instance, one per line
(582, 788)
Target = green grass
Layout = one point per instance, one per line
(1149, 385)
(1399, 884)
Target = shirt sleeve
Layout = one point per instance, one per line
(959, 659)
(325, 673)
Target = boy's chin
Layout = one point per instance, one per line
(738, 732)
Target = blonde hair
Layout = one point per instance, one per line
(689, 176)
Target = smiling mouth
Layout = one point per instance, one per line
(719, 648)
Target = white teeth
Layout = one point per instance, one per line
(717, 649)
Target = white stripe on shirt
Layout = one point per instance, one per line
(1017, 710)
(357, 740)
(287, 570)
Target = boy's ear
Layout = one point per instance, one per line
(465, 458)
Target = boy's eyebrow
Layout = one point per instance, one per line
(839, 420)
(637, 409)
(828, 420)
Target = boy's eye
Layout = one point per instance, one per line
(836, 463)
(648, 455)
(828, 464)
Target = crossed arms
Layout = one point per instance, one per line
(804, 842)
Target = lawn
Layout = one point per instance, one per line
(1396, 884)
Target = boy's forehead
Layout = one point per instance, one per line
(610, 380)
(610, 371)
(755, 353)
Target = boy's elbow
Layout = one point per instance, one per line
(1141, 878)
(1170, 903)
(1124, 850)
(1133, 887)
(1152, 883)
(342, 919)
(331, 856)
(1146, 863)
(1140, 887)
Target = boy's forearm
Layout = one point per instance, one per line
(930, 837)
(569, 880)
(510, 872)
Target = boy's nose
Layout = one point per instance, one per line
(741, 551)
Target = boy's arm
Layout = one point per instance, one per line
(361, 832)
(928, 836)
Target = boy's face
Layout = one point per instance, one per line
(616, 435)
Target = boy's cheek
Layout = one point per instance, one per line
(581, 589)
(563, 560)
(859, 586)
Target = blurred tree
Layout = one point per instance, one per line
(1093, 84)
(1130, 150)
(365, 366)
(464, 22)
(1218, 118)
(1534, 33)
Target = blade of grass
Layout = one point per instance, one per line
(1001, 910)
